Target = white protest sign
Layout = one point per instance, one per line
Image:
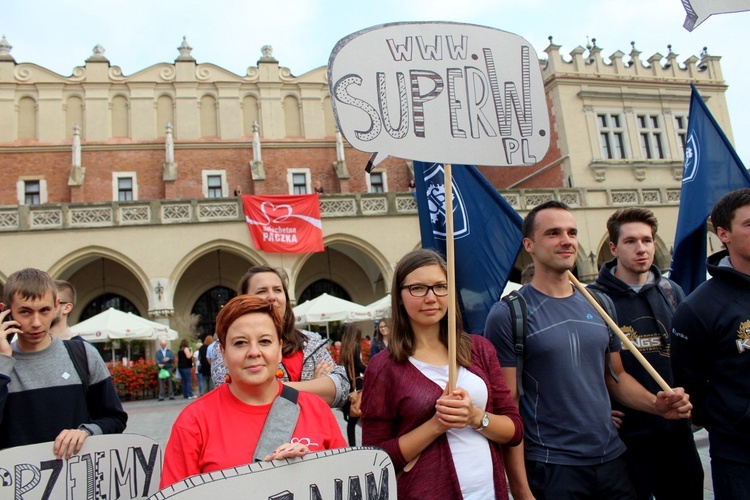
(341, 474)
(114, 466)
(440, 92)
(700, 10)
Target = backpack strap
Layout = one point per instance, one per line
(519, 322)
(77, 352)
(608, 307)
(280, 423)
(518, 314)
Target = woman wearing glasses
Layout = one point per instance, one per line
(438, 441)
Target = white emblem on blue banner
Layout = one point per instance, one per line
(692, 158)
(434, 179)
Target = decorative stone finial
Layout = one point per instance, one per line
(5, 47)
(97, 54)
(588, 43)
(185, 50)
(550, 39)
(267, 52)
(669, 49)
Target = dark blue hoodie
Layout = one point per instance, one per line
(645, 317)
(711, 358)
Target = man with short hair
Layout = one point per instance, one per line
(165, 360)
(66, 294)
(711, 348)
(571, 445)
(43, 394)
(658, 450)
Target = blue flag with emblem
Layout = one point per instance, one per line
(486, 232)
(711, 170)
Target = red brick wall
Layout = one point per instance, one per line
(148, 165)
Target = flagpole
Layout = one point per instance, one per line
(624, 338)
(450, 259)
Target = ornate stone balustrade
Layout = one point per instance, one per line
(206, 210)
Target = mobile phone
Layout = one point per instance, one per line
(9, 318)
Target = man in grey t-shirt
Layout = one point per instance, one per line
(571, 446)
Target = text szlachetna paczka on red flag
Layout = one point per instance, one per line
(284, 223)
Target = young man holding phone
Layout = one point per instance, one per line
(39, 373)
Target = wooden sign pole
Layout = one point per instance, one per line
(450, 258)
(624, 338)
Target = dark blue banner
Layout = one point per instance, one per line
(486, 232)
(712, 169)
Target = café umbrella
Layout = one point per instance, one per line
(326, 308)
(114, 324)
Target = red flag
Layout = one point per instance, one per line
(284, 223)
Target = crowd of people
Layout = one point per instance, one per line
(549, 403)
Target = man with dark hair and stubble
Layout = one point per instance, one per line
(711, 348)
(43, 392)
(658, 450)
(571, 448)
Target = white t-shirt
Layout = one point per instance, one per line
(470, 449)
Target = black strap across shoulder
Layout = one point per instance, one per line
(77, 352)
(518, 313)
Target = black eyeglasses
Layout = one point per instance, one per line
(419, 290)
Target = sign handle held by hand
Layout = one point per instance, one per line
(450, 259)
(624, 338)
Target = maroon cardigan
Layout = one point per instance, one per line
(397, 398)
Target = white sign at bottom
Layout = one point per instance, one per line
(341, 474)
(114, 466)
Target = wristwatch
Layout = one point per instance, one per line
(485, 422)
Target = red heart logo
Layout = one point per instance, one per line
(275, 213)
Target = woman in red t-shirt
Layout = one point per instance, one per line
(205, 436)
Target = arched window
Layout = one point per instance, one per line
(329, 120)
(73, 115)
(207, 307)
(291, 117)
(323, 286)
(249, 114)
(106, 301)
(164, 114)
(120, 118)
(209, 127)
(27, 118)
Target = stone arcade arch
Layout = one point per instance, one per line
(352, 263)
(215, 264)
(96, 271)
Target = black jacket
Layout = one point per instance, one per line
(645, 317)
(711, 358)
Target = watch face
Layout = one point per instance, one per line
(485, 420)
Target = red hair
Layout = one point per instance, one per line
(242, 305)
